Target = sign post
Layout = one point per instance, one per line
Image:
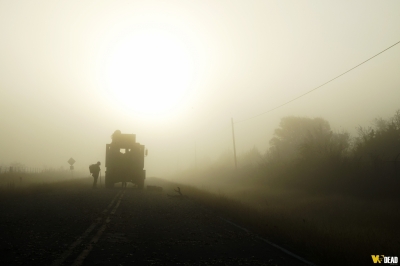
(71, 162)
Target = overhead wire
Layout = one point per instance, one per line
(308, 92)
(314, 89)
(304, 94)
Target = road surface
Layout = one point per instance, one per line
(82, 226)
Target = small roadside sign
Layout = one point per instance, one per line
(71, 161)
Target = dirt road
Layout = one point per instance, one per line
(81, 226)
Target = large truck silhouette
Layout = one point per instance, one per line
(124, 160)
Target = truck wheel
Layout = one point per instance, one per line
(140, 184)
(109, 183)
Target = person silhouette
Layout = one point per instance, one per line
(94, 171)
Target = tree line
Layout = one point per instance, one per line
(306, 154)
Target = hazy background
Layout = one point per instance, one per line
(59, 61)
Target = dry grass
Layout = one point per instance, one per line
(328, 230)
(15, 185)
(325, 229)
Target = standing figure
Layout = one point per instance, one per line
(94, 171)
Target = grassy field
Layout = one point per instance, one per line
(26, 179)
(24, 184)
(326, 229)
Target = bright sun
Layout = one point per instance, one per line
(149, 72)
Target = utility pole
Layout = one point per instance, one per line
(234, 146)
(195, 156)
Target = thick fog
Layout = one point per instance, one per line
(175, 72)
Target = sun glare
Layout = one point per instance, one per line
(149, 72)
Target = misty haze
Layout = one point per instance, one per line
(199, 132)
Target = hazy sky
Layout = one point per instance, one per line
(175, 72)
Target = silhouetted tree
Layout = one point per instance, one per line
(299, 137)
(326, 146)
(379, 143)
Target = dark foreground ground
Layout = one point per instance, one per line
(75, 225)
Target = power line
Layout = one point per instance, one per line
(318, 86)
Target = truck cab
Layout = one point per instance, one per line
(124, 160)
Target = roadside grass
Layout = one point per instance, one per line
(31, 184)
(324, 229)
(27, 179)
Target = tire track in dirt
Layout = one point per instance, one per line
(87, 232)
(154, 229)
(270, 243)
